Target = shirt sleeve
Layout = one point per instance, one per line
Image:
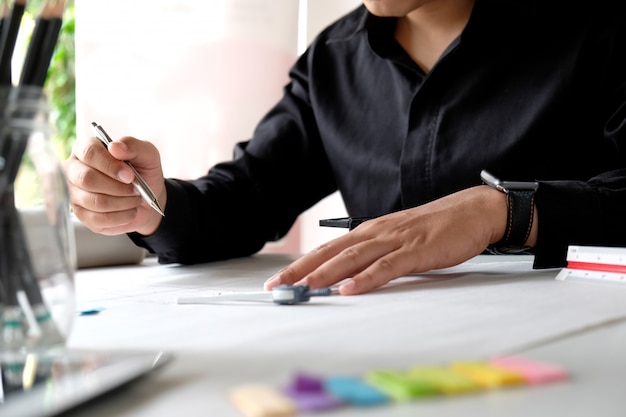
(579, 213)
(590, 212)
(255, 198)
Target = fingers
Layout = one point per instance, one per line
(142, 154)
(100, 185)
(93, 155)
(305, 265)
(377, 274)
(83, 177)
(107, 223)
(102, 212)
(104, 203)
(365, 259)
(436, 235)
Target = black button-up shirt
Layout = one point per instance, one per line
(528, 93)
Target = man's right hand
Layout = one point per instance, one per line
(100, 184)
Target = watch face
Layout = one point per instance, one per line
(489, 179)
(505, 186)
(519, 185)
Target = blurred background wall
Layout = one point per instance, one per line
(194, 77)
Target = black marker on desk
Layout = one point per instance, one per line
(139, 183)
(345, 222)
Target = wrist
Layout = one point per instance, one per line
(495, 206)
(152, 223)
(520, 230)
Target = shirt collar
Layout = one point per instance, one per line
(489, 19)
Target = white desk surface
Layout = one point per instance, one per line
(487, 306)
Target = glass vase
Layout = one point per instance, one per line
(37, 301)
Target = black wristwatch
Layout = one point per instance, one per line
(520, 203)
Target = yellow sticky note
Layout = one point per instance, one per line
(487, 375)
(446, 381)
(256, 400)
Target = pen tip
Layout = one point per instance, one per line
(155, 205)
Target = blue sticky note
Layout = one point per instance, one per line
(354, 391)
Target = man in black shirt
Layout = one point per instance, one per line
(399, 106)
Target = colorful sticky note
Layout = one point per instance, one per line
(308, 393)
(313, 401)
(256, 400)
(533, 372)
(401, 386)
(445, 380)
(486, 374)
(303, 382)
(354, 391)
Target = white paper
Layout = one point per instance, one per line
(478, 309)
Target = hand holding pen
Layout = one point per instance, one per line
(144, 189)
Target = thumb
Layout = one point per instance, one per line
(142, 154)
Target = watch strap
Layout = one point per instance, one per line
(520, 212)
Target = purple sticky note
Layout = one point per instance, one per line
(308, 393)
(306, 383)
(312, 401)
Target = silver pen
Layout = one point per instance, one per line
(139, 183)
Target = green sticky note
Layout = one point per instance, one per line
(401, 386)
(445, 380)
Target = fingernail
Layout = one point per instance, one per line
(348, 288)
(303, 281)
(125, 176)
(271, 282)
(122, 145)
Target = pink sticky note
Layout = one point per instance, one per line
(534, 372)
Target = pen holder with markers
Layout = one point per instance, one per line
(36, 239)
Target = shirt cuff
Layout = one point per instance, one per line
(569, 213)
(178, 221)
